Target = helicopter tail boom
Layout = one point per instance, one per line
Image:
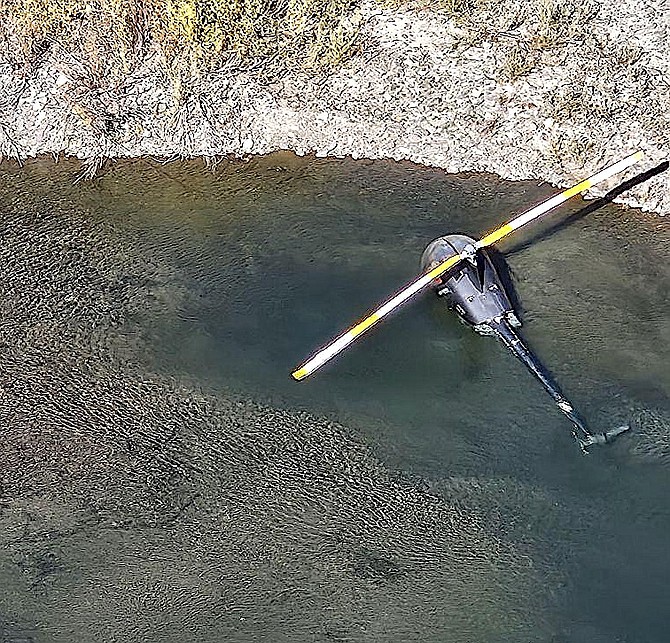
(502, 330)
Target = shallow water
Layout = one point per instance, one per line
(165, 479)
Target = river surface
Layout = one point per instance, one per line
(164, 479)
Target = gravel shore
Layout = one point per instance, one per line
(424, 88)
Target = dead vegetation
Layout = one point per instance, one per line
(524, 30)
(191, 36)
(110, 37)
(99, 97)
(531, 29)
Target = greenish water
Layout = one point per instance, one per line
(165, 480)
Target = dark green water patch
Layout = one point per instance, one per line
(165, 479)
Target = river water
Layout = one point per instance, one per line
(164, 479)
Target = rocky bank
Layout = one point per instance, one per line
(424, 87)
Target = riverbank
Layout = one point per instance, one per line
(426, 86)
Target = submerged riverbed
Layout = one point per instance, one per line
(164, 479)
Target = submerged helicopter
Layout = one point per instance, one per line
(460, 270)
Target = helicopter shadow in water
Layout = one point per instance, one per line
(502, 266)
(580, 214)
(506, 277)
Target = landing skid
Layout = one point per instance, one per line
(601, 438)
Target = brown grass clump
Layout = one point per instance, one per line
(111, 36)
(519, 60)
(561, 21)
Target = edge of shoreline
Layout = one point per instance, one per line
(415, 93)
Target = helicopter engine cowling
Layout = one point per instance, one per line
(473, 289)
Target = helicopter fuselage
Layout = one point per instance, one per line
(474, 290)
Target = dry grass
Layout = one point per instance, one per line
(519, 60)
(523, 28)
(561, 21)
(111, 36)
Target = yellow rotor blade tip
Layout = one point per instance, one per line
(300, 374)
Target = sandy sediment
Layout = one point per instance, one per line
(423, 88)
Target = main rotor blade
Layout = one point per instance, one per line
(551, 203)
(341, 342)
